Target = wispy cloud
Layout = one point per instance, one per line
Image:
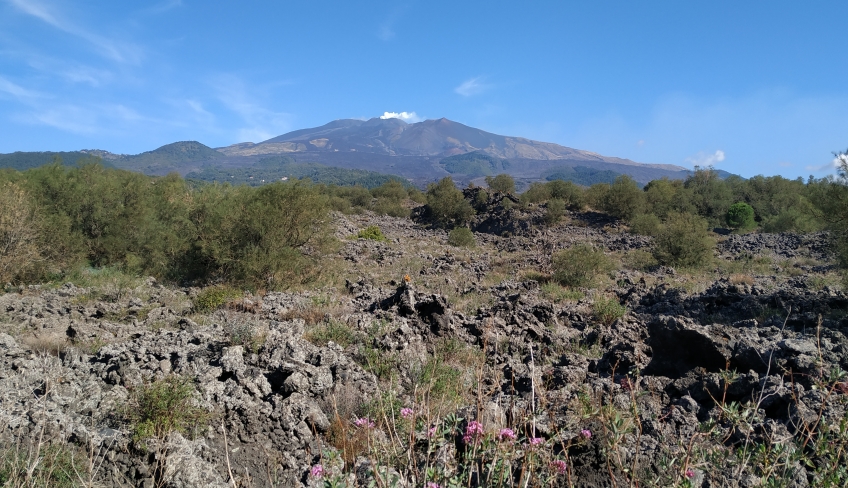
(258, 122)
(473, 86)
(117, 51)
(830, 167)
(405, 116)
(705, 159)
(386, 31)
(18, 92)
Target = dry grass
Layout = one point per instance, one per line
(740, 279)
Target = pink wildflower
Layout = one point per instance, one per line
(559, 466)
(364, 422)
(431, 431)
(536, 441)
(473, 432)
(406, 413)
(586, 433)
(317, 471)
(431, 484)
(690, 473)
(506, 435)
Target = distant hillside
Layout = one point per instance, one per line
(475, 164)
(282, 167)
(170, 157)
(23, 161)
(581, 175)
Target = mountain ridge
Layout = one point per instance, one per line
(433, 137)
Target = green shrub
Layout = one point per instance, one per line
(579, 265)
(461, 237)
(214, 297)
(50, 465)
(607, 310)
(393, 208)
(567, 191)
(503, 183)
(536, 193)
(164, 406)
(554, 211)
(558, 293)
(624, 198)
(334, 331)
(372, 232)
(645, 224)
(447, 205)
(740, 216)
(684, 240)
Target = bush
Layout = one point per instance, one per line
(579, 265)
(608, 310)
(503, 183)
(568, 192)
(214, 297)
(20, 246)
(645, 224)
(684, 240)
(447, 205)
(624, 198)
(164, 406)
(372, 232)
(554, 211)
(461, 237)
(740, 216)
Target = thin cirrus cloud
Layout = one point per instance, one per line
(471, 87)
(257, 122)
(114, 50)
(16, 91)
(706, 159)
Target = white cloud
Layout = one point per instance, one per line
(703, 159)
(833, 165)
(121, 52)
(474, 86)
(17, 91)
(411, 117)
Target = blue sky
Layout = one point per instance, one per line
(750, 87)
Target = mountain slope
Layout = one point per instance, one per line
(440, 138)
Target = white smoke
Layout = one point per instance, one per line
(405, 116)
(703, 159)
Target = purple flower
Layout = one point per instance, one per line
(364, 422)
(473, 431)
(690, 473)
(536, 441)
(406, 413)
(431, 484)
(559, 466)
(506, 435)
(317, 471)
(431, 431)
(586, 434)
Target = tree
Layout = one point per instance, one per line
(447, 204)
(683, 240)
(503, 183)
(624, 198)
(20, 250)
(740, 216)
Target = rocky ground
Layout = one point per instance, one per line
(695, 378)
